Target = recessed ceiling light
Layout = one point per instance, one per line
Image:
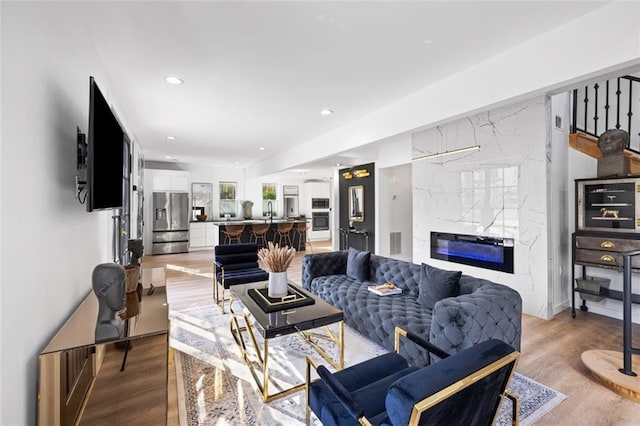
(171, 138)
(173, 80)
(261, 148)
(236, 162)
(326, 112)
(168, 157)
(338, 164)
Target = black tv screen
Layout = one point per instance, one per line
(105, 146)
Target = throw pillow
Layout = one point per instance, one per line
(358, 264)
(436, 284)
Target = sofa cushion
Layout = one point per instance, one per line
(377, 316)
(437, 284)
(404, 274)
(358, 264)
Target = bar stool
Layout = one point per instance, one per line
(282, 232)
(258, 234)
(232, 233)
(300, 230)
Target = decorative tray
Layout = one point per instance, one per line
(294, 299)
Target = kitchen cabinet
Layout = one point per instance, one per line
(201, 235)
(197, 236)
(170, 180)
(211, 234)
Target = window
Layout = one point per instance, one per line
(228, 199)
(269, 199)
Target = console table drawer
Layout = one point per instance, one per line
(607, 244)
(604, 258)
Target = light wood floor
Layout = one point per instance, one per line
(138, 392)
(551, 349)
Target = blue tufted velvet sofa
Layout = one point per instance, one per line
(482, 309)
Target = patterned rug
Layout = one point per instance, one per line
(215, 387)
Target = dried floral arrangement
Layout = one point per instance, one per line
(276, 259)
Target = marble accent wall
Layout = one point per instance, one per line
(499, 190)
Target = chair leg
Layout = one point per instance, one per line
(300, 241)
(307, 242)
(286, 239)
(515, 407)
(307, 382)
(218, 299)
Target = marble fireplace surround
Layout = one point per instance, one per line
(498, 191)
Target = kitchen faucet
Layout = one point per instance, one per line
(270, 208)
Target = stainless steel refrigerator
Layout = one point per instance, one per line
(170, 222)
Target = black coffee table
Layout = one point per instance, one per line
(302, 320)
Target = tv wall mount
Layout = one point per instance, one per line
(81, 166)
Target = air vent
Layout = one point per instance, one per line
(395, 243)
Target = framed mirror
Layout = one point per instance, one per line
(201, 200)
(356, 203)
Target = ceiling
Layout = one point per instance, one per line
(257, 74)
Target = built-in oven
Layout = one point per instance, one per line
(319, 221)
(319, 203)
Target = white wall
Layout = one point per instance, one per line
(394, 210)
(497, 191)
(558, 188)
(50, 244)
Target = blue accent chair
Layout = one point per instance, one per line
(465, 388)
(235, 264)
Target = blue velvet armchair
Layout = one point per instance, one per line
(462, 389)
(235, 264)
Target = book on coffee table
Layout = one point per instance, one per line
(385, 289)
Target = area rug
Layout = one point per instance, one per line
(215, 387)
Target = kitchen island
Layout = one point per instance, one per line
(245, 237)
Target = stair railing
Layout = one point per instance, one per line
(621, 98)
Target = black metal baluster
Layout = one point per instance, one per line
(574, 117)
(631, 79)
(618, 107)
(606, 109)
(586, 102)
(630, 113)
(595, 109)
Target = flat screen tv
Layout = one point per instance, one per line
(105, 154)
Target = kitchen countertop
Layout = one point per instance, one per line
(252, 221)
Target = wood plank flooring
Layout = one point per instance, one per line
(551, 349)
(136, 395)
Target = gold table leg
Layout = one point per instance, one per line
(262, 354)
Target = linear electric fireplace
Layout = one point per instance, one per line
(483, 252)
